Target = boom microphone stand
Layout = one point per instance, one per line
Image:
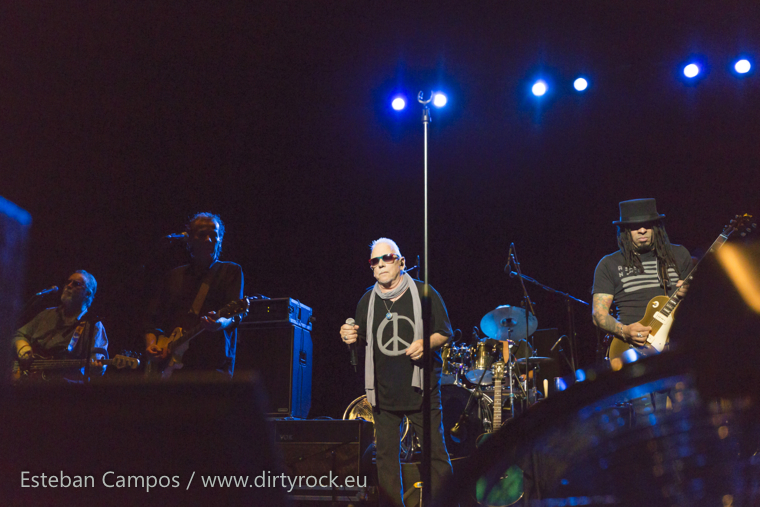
(568, 298)
(528, 305)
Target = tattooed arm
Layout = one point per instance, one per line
(632, 333)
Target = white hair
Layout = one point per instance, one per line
(388, 242)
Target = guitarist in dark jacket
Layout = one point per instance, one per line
(65, 331)
(645, 266)
(172, 305)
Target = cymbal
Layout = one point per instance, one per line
(508, 322)
(534, 360)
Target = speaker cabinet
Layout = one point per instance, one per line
(317, 450)
(135, 443)
(282, 355)
(14, 230)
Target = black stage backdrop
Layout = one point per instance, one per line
(120, 119)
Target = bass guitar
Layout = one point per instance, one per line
(177, 343)
(661, 309)
(509, 489)
(24, 370)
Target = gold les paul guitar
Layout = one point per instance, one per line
(177, 343)
(661, 309)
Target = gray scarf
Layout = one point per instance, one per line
(369, 360)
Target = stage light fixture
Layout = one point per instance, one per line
(439, 100)
(742, 66)
(398, 103)
(691, 70)
(580, 84)
(539, 88)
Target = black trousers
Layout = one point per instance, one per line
(387, 424)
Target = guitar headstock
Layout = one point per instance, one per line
(498, 370)
(126, 360)
(742, 223)
(238, 307)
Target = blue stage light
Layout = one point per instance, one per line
(742, 66)
(439, 100)
(580, 84)
(691, 70)
(539, 88)
(398, 103)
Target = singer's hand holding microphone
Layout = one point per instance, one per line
(349, 333)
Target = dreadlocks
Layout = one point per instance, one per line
(660, 247)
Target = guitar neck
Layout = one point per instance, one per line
(187, 335)
(675, 299)
(496, 403)
(56, 364)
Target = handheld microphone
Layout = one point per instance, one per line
(49, 290)
(353, 356)
(182, 236)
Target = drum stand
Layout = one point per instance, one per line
(456, 432)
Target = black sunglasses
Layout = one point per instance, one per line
(387, 258)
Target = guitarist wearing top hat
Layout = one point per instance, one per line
(646, 265)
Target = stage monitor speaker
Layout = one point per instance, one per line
(282, 355)
(324, 449)
(137, 443)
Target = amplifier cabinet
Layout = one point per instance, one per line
(322, 449)
(282, 355)
(270, 312)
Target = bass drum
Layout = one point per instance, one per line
(454, 400)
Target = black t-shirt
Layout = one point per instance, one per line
(393, 368)
(632, 290)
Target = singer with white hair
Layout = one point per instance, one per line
(389, 324)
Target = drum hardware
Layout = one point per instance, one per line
(534, 360)
(458, 431)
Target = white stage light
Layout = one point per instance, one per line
(580, 84)
(439, 100)
(691, 70)
(539, 88)
(742, 66)
(398, 103)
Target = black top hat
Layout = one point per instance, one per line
(638, 211)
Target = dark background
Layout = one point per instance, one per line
(121, 119)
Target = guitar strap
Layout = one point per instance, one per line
(203, 291)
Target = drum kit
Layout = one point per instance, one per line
(467, 381)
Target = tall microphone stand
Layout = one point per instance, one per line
(427, 360)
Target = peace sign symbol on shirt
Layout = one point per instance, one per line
(391, 347)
